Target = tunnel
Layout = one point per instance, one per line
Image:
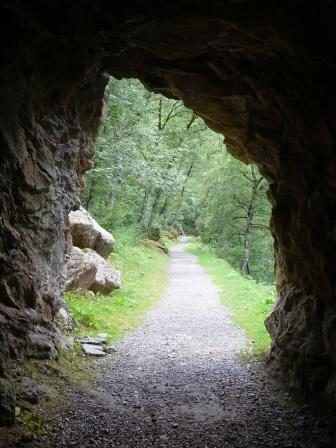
(262, 73)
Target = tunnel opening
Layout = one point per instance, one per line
(159, 170)
(258, 75)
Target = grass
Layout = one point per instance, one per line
(144, 275)
(248, 302)
(33, 423)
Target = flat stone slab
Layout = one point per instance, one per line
(93, 350)
(94, 341)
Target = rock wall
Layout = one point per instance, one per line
(49, 113)
(260, 72)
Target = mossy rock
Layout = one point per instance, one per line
(154, 233)
(170, 235)
(158, 245)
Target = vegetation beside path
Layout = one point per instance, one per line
(144, 277)
(248, 302)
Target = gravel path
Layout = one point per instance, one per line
(177, 382)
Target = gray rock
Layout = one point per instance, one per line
(93, 350)
(80, 271)
(88, 270)
(87, 233)
(67, 342)
(41, 346)
(107, 278)
(64, 320)
(94, 341)
(7, 402)
(31, 391)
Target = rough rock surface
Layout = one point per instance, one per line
(31, 391)
(92, 340)
(261, 72)
(41, 345)
(80, 270)
(87, 233)
(107, 278)
(177, 382)
(64, 319)
(87, 270)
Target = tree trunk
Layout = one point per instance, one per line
(154, 207)
(247, 235)
(245, 267)
(163, 210)
(179, 204)
(142, 215)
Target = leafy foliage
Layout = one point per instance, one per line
(157, 164)
(234, 214)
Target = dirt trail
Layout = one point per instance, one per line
(177, 382)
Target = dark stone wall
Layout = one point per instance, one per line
(262, 73)
(50, 106)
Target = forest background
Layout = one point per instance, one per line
(158, 168)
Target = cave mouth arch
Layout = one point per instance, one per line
(253, 71)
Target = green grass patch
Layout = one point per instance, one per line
(144, 276)
(248, 302)
(33, 423)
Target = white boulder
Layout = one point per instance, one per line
(87, 233)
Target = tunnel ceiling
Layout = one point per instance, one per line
(262, 73)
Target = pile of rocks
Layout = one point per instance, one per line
(90, 245)
(96, 346)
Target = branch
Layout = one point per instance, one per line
(200, 129)
(170, 114)
(240, 203)
(193, 118)
(259, 183)
(250, 179)
(143, 155)
(260, 226)
(239, 217)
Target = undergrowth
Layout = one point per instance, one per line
(143, 280)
